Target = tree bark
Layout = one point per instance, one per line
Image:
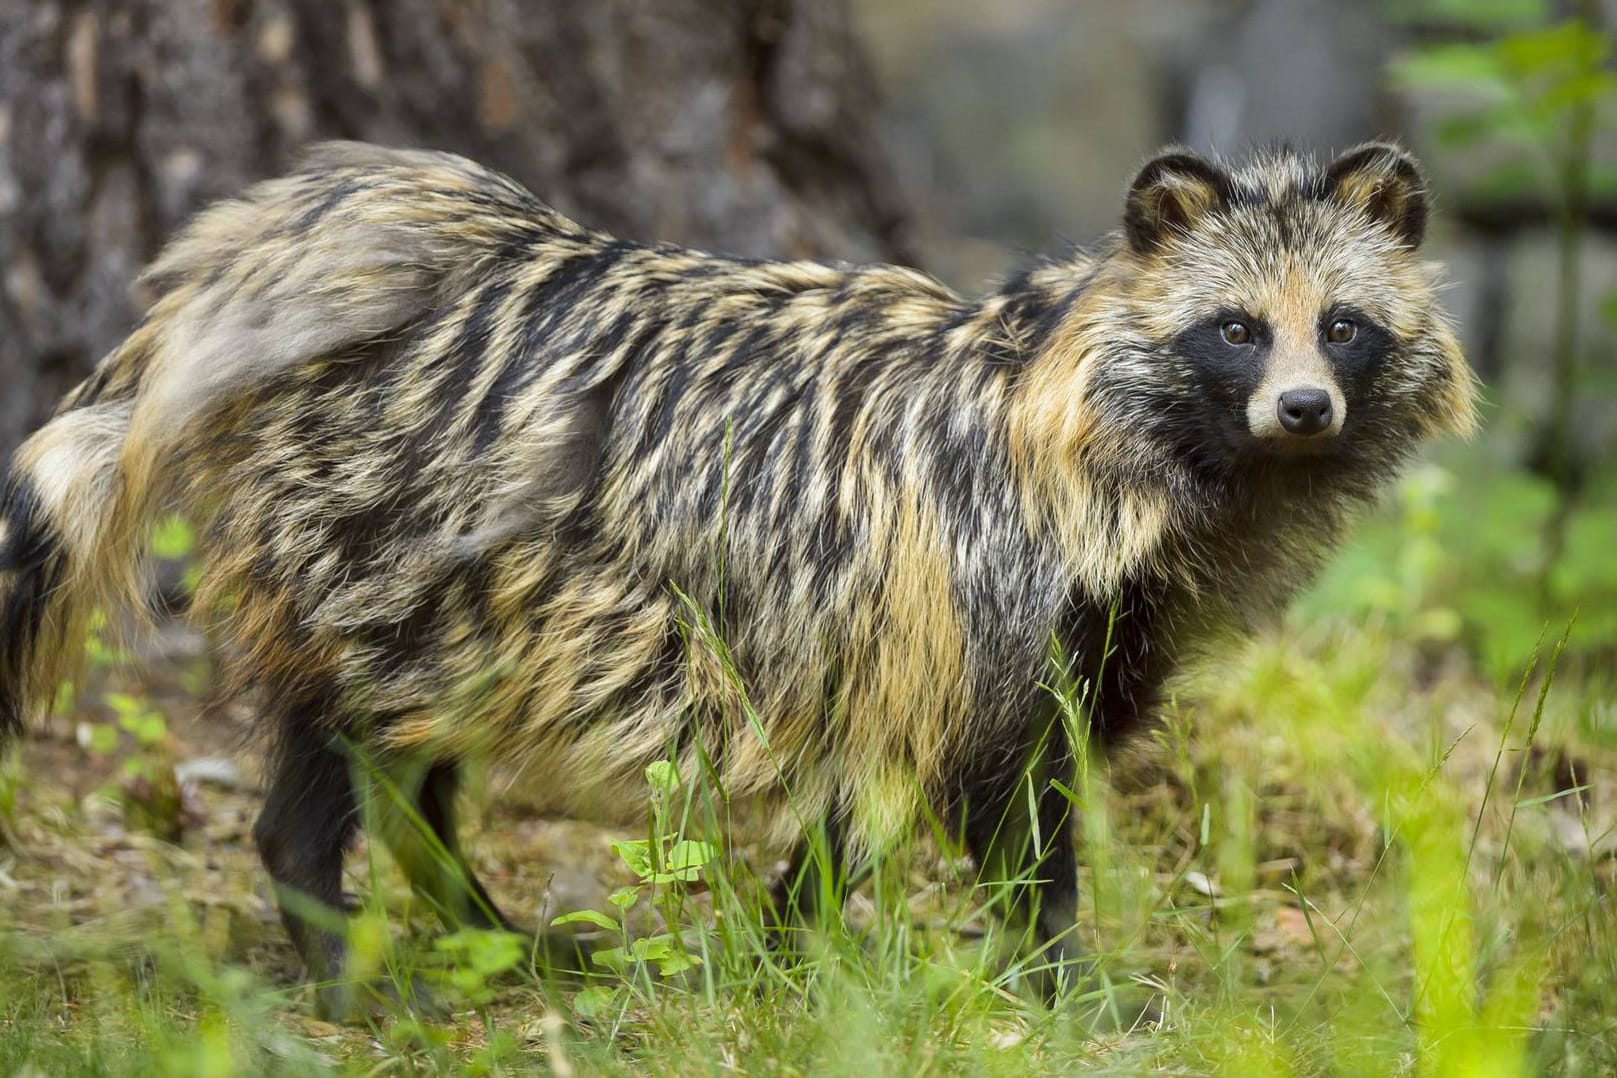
(740, 125)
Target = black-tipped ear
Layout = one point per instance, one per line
(1384, 182)
(1169, 195)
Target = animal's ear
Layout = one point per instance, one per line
(1386, 184)
(1171, 192)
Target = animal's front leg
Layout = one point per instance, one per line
(813, 886)
(1027, 857)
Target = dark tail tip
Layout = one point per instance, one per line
(28, 575)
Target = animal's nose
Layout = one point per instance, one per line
(1305, 411)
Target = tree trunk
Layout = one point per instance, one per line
(740, 125)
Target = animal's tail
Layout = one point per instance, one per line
(54, 510)
(353, 246)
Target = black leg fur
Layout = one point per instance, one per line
(817, 873)
(1043, 865)
(309, 818)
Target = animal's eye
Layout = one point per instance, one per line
(1342, 331)
(1236, 332)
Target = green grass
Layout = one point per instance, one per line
(1352, 848)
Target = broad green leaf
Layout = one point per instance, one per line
(593, 917)
(592, 1002)
(678, 962)
(654, 948)
(148, 728)
(613, 958)
(636, 854)
(688, 853)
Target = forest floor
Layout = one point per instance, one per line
(1345, 853)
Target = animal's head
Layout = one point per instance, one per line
(1274, 318)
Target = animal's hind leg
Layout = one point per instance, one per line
(415, 815)
(309, 818)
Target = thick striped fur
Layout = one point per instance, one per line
(473, 479)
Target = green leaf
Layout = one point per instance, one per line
(678, 962)
(593, 917)
(613, 958)
(592, 1002)
(662, 775)
(690, 854)
(467, 981)
(147, 727)
(653, 948)
(624, 897)
(493, 952)
(1569, 46)
(637, 855)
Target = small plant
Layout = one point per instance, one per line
(669, 868)
(146, 787)
(475, 958)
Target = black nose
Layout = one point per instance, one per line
(1305, 411)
